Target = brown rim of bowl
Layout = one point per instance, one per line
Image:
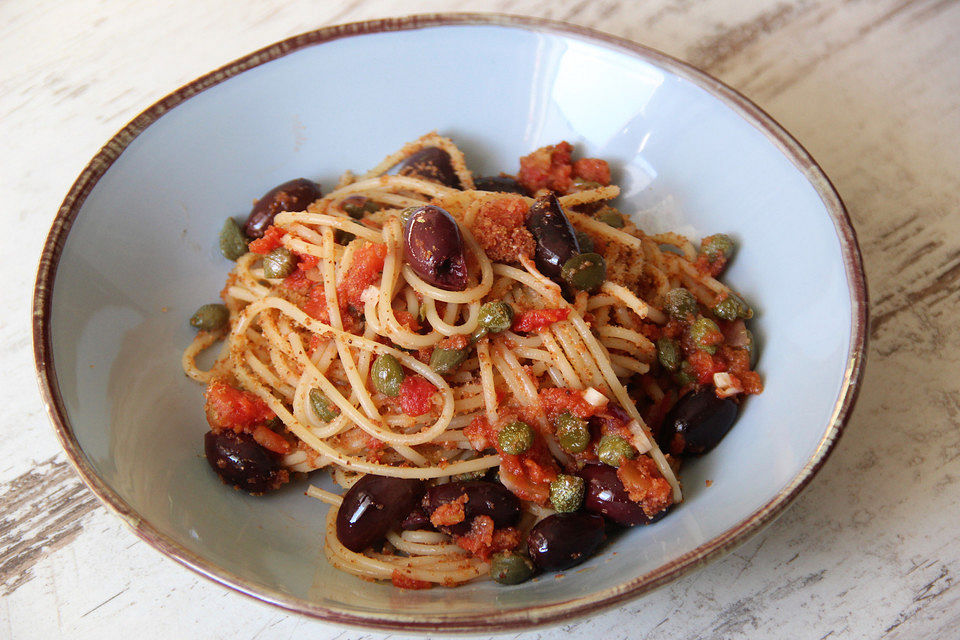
(508, 620)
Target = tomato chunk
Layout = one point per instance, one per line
(230, 408)
(535, 319)
(365, 269)
(592, 169)
(416, 395)
(547, 168)
(269, 241)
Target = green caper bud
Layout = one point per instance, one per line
(719, 245)
(444, 360)
(357, 207)
(343, 237)
(353, 209)
(478, 333)
(468, 476)
(703, 332)
(210, 317)
(585, 240)
(496, 316)
(733, 307)
(679, 303)
(279, 263)
(387, 375)
(508, 567)
(668, 353)
(585, 271)
(613, 450)
(233, 243)
(573, 434)
(515, 437)
(684, 376)
(566, 493)
(611, 218)
(322, 406)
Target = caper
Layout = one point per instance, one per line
(443, 360)
(613, 450)
(515, 437)
(233, 243)
(684, 376)
(322, 406)
(353, 209)
(358, 207)
(508, 567)
(496, 316)
(279, 263)
(585, 271)
(585, 240)
(719, 245)
(611, 218)
(343, 237)
(732, 307)
(668, 353)
(210, 317)
(468, 476)
(679, 303)
(566, 493)
(478, 333)
(573, 434)
(701, 331)
(387, 375)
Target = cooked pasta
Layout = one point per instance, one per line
(438, 329)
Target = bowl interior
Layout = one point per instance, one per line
(142, 256)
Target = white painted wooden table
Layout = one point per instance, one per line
(872, 89)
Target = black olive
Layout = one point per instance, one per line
(483, 499)
(241, 462)
(434, 248)
(433, 164)
(417, 520)
(607, 497)
(372, 507)
(289, 196)
(563, 540)
(697, 423)
(501, 184)
(555, 237)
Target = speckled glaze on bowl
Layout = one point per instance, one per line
(132, 253)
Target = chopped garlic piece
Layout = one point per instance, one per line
(594, 397)
(726, 385)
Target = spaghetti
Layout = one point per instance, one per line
(438, 329)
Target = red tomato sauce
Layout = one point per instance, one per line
(416, 395)
(365, 269)
(536, 319)
(230, 408)
(269, 241)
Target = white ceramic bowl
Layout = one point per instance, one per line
(133, 252)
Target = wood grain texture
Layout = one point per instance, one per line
(871, 88)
